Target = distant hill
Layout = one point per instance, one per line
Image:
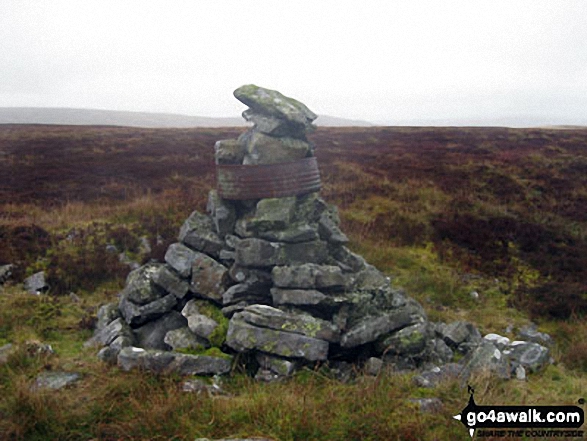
(95, 117)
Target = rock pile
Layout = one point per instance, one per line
(267, 273)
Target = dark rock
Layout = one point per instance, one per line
(457, 333)
(223, 214)
(410, 340)
(308, 276)
(245, 291)
(306, 297)
(152, 335)
(170, 282)
(294, 233)
(196, 232)
(373, 366)
(139, 314)
(371, 328)
(109, 333)
(281, 367)
(255, 252)
(330, 232)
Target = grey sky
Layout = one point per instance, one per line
(383, 61)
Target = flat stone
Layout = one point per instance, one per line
(56, 380)
(110, 332)
(305, 324)
(281, 367)
(259, 253)
(180, 258)
(294, 233)
(171, 282)
(273, 214)
(274, 126)
(370, 329)
(209, 278)
(330, 231)
(243, 336)
(196, 232)
(306, 297)
(410, 340)
(273, 103)
(499, 341)
(243, 291)
(138, 314)
(315, 251)
(152, 335)
(139, 287)
(456, 333)
(308, 276)
(173, 362)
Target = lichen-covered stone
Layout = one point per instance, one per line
(370, 329)
(152, 335)
(273, 103)
(139, 287)
(276, 127)
(273, 214)
(294, 233)
(183, 338)
(531, 356)
(229, 151)
(223, 214)
(243, 337)
(110, 332)
(265, 149)
(199, 324)
(409, 341)
(255, 252)
(308, 276)
(307, 297)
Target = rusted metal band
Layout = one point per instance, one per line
(239, 182)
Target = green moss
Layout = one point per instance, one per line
(218, 336)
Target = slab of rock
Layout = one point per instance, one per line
(487, 357)
(265, 149)
(308, 276)
(457, 333)
(56, 380)
(281, 367)
(244, 337)
(253, 252)
(306, 297)
(305, 324)
(531, 333)
(408, 341)
(533, 357)
(152, 335)
(180, 258)
(199, 324)
(138, 314)
(115, 329)
(273, 214)
(183, 338)
(171, 282)
(370, 329)
(294, 233)
(173, 362)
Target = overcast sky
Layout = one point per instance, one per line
(381, 61)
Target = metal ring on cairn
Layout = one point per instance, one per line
(240, 182)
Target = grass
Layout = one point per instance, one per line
(444, 212)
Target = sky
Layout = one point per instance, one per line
(387, 62)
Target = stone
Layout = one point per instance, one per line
(229, 151)
(56, 380)
(456, 333)
(173, 362)
(5, 273)
(438, 374)
(196, 232)
(258, 253)
(410, 340)
(370, 279)
(371, 328)
(265, 149)
(106, 315)
(373, 366)
(306, 297)
(241, 274)
(36, 284)
(315, 251)
(281, 367)
(201, 325)
(274, 126)
(199, 386)
(487, 357)
(180, 258)
(531, 333)
(308, 276)
(139, 287)
(209, 278)
(152, 335)
(168, 280)
(347, 260)
(499, 341)
(305, 324)
(330, 232)
(183, 338)
(245, 291)
(294, 233)
(223, 214)
(531, 356)
(243, 337)
(138, 314)
(109, 333)
(273, 214)
(273, 103)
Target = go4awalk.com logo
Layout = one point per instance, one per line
(522, 421)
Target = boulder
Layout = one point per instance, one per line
(199, 324)
(229, 151)
(171, 282)
(139, 287)
(531, 356)
(209, 278)
(371, 328)
(56, 380)
(308, 276)
(180, 258)
(36, 284)
(486, 357)
(223, 215)
(115, 329)
(265, 149)
(138, 314)
(183, 338)
(196, 232)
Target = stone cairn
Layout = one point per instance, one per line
(266, 273)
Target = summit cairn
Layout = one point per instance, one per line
(267, 272)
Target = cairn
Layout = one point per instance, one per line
(267, 272)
